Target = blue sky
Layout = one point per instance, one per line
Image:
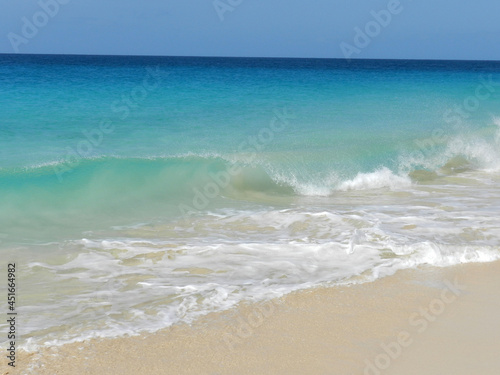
(420, 29)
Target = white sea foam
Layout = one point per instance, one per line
(478, 150)
(144, 278)
(383, 178)
(140, 278)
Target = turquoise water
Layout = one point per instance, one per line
(159, 189)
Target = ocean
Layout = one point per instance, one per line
(140, 192)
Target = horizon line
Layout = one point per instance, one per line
(245, 57)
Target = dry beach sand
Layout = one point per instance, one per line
(424, 321)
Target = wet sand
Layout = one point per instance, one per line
(425, 321)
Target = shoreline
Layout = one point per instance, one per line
(418, 321)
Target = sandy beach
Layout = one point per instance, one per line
(249, 215)
(424, 321)
(250, 188)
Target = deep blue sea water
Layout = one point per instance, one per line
(138, 192)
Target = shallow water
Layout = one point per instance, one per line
(139, 192)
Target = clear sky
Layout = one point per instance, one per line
(421, 29)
